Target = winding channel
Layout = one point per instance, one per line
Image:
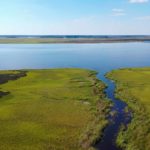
(111, 131)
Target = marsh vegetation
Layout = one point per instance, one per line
(51, 109)
(133, 86)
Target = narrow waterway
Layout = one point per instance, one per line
(111, 131)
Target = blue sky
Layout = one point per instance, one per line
(98, 17)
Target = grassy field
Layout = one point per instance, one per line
(55, 109)
(133, 86)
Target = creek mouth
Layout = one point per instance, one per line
(108, 141)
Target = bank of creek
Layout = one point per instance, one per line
(108, 141)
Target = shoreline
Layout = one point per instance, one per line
(70, 40)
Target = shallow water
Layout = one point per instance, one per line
(100, 57)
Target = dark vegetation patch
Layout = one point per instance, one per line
(4, 78)
(3, 94)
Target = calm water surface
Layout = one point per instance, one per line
(100, 57)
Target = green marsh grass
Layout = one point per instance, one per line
(54, 109)
(133, 86)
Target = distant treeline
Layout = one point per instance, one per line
(79, 36)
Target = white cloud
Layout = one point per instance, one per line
(118, 12)
(138, 1)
